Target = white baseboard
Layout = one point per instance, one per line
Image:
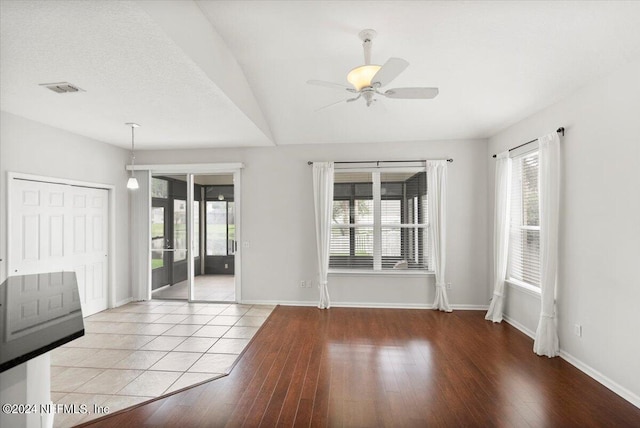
(521, 327)
(278, 302)
(463, 307)
(124, 302)
(585, 368)
(604, 380)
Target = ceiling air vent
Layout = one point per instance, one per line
(62, 87)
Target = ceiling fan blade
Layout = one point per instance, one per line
(412, 93)
(331, 105)
(389, 71)
(350, 100)
(330, 85)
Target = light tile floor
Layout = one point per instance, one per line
(144, 350)
(219, 288)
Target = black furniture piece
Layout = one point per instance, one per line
(38, 313)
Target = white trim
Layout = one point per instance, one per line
(190, 255)
(111, 263)
(374, 305)
(585, 368)
(194, 168)
(58, 180)
(526, 149)
(377, 219)
(237, 198)
(123, 302)
(111, 194)
(467, 307)
(281, 302)
(521, 327)
(524, 287)
(190, 170)
(397, 272)
(147, 257)
(369, 168)
(604, 380)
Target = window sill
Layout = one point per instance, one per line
(524, 287)
(396, 272)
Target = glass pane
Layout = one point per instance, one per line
(524, 255)
(179, 229)
(364, 241)
(340, 212)
(339, 241)
(391, 242)
(391, 211)
(196, 228)
(390, 189)
(364, 211)
(216, 228)
(157, 237)
(530, 212)
(159, 188)
(231, 227)
(524, 191)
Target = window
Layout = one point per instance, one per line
(220, 228)
(157, 237)
(379, 220)
(524, 234)
(159, 188)
(196, 228)
(179, 230)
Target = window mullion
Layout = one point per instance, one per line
(377, 227)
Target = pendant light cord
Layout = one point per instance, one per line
(133, 153)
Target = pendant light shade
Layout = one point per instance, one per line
(132, 183)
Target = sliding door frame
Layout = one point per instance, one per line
(190, 170)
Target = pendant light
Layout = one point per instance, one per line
(132, 183)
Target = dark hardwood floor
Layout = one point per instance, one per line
(393, 368)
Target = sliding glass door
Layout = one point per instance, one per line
(169, 249)
(194, 237)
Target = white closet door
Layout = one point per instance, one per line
(57, 227)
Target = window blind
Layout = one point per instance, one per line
(524, 236)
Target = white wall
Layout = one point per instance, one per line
(33, 148)
(599, 285)
(278, 221)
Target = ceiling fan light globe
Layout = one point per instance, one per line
(360, 77)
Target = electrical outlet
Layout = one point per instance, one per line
(309, 284)
(577, 330)
(448, 286)
(303, 284)
(226, 266)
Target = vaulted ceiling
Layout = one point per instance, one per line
(233, 73)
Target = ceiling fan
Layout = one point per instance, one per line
(367, 79)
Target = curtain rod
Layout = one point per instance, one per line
(559, 131)
(394, 161)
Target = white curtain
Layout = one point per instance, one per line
(323, 204)
(436, 199)
(500, 235)
(546, 341)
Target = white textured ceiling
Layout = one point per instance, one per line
(131, 70)
(172, 66)
(494, 62)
